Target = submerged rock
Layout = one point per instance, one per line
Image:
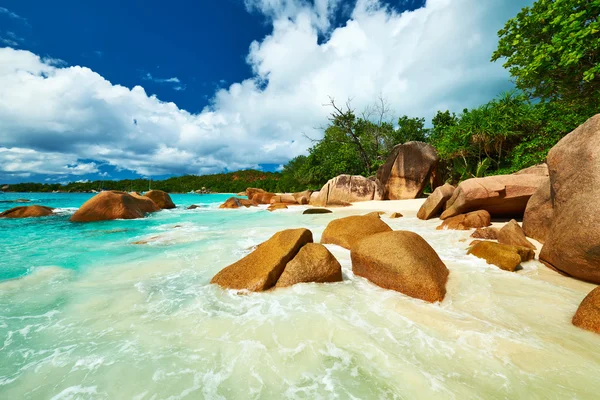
(316, 211)
(402, 261)
(345, 189)
(261, 269)
(588, 314)
(463, 222)
(500, 195)
(109, 205)
(504, 256)
(27, 212)
(193, 207)
(434, 204)
(573, 242)
(313, 263)
(162, 199)
(487, 233)
(407, 170)
(345, 232)
(512, 233)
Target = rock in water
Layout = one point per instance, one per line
(277, 206)
(261, 269)
(396, 215)
(511, 233)
(162, 199)
(27, 212)
(313, 263)
(500, 195)
(344, 189)
(588, 314)
(109, 205)
(347, 231)
(573, 244)
(539, 213)
(316, 211)
(463, 222)
(407, 170)
(402, 261)
(234, 202)
(485, 233)
(504, 256)
(436, 202)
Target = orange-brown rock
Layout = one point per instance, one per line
(396, 215)
(261, 269)
(27, 212)
(512, 233)
(573, 243)
(345, 232)
(162, 199)
(488, 233)
(407, 170)
(539, 213)
(344, 189)
(434, 204)
(500, 195)
(302, 197)
(588, 314)
(250, 192)
(262, 198)
(109, 205)
(504, 256)
(540, 170)
(234, 202)
(463, 222)
(316, 211)
(401, 261)
(313, 263)
(277, 206)
(283, 198)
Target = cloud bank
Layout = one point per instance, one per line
(58, 119)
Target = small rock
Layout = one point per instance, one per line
(396, 215)
(317, 211)
(277, 206)
(234, 202)
(506, 257)
(588, 314)
(488, 233)
(511, 233)
(463, 222)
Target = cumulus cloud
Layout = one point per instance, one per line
(436, 57)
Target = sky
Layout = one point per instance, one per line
(118, 89)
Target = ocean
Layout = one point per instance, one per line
(124, 310)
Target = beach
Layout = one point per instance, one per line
(142, 321)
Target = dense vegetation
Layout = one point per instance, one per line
(232, 182)
(552, 50)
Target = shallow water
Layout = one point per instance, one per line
(94, 316)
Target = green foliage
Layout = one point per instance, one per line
(552, 49)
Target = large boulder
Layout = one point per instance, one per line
(588, 314)
(27, 212)
(504, 256)
(573, 244)
(436, 201)
(283, 199)
(313, 263)
(250, 192)
(303, 197)
(401, 261)
(162, 199)
(463, 222)
(539, 213)
(109, 205)
(261, 269)
(344, 189)
(262, 197)
(512, 233)
(500, 195)
(347, 231)
(539, 169)
(407, 170)
(234, 202)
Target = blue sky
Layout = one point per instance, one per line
(113, 89)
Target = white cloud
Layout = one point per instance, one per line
(436, 57)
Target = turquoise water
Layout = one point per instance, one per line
(124, 310)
